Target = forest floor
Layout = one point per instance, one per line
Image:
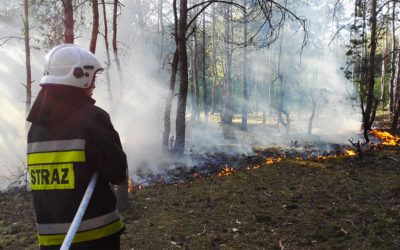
(343, 202)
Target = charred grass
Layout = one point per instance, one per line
(343, 202)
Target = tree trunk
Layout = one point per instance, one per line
(203, 76)
(122, 192)
(396, 108)
(27, 60)
(395, 118)
(95, 29)
(168, 105)
(214, 63)
(253, 89)
(270, 87)
(384, 66)
(107, 69)
(281, 87)
(393, 62)
(363, 62)
(367, 118)
(183, 87)
(196, 78)
(174, 70)
(161, 32)
(68, 21)
(263, 90)
(314, 111)
(227, 110)
(114, 40)
(192, 80)
(245, 90)
(140, 16)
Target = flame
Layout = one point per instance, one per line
(322, 157)
(389, 139)
(130, 186)
(227, 171)
(349, 152)
(269, 161)
(197, 175)
(133, 186)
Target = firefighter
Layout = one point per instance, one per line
(68, 140)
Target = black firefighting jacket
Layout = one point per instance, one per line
(68, 140)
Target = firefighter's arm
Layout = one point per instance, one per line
(105, 149)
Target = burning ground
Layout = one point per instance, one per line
(337, 202)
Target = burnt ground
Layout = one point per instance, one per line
(337, 203)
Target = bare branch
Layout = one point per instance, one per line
(4, 40)
(194, 18)
(217, 1)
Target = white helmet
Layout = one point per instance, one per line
(69, 64)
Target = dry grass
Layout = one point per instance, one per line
(338, 203)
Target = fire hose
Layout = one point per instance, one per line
(79, 214)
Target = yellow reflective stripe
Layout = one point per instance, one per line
(50, 177)
(56, 157)
(57, 239)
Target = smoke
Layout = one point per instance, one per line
(12, 115)
(139, 97)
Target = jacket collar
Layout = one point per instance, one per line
(56, 103)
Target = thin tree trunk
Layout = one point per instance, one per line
(140, 16)
(396, 110)
(227, 112)
(203, 76)
(168, 105)
(270, 83)
(363, 62)
(354, 37)
(196, 78)
(95, 29)
(122, 192)
(281, 86)
(254, 88)
(114, 40)
(393, 125)
(367, 119)
(192, 80)
(27, 60)
(68, 21)
(393, 61)
(314, 111)
(384, 66)
(183, 87)
(107, 69)
(161, 32)
(245, 90)
(278, 72)
(214, 63)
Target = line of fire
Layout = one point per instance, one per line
(383, 138)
